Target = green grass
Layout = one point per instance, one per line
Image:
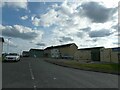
(107, 67)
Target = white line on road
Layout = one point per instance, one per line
(31, 72)
(32, 76)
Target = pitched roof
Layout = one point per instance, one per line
(91, 48)
(59, 46)
(2, 39)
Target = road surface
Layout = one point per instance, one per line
(36, 73)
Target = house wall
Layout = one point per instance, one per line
(47, 53)
(55, 53)
(109, 55)
(36, 53)
(61, 52)
(82, 55)
(105, 55)
(114, 56)
(68, 52)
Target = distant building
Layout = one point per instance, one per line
(1, 45)
(66, 51)
(92, 54)
(36, 53)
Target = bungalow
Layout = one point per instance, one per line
(1, 45)
(92, 54)
(36, 53)
(66, 51)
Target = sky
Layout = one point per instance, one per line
(87, 23)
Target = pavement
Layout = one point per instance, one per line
(37, 73)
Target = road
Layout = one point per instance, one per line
(36, 73)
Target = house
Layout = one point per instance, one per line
(36, 53)
(1, 45)
(92, 54)
(66, 51)
(110, 55)
(25, 53)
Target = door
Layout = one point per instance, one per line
(95, 55)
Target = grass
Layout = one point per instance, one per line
(106, 67)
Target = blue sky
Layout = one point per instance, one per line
(88, 23)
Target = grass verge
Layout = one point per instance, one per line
(98, 67)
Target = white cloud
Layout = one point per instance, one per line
(24, 17)
(10, 42)
(36, 21)
(69, 25)
(19, 31)
(16, 4)
(46, 20)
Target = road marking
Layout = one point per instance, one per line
(54, 78)
(32, 76)
(31, 72)
(34, 87)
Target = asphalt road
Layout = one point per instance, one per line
(36, 73)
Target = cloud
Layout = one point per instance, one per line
(40, 44)
(80, 34)
(45, 20)
(58, 15)
(99, 33)
(87, 29)
(24, 17)
(18, 31)
(66, 39)
(96, 12)
(11, 43)
(21, 4)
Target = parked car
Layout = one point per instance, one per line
(12, 57)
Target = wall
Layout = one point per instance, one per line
(109, 55)
(105, 55)
(82, 55)
(36, 53)
(61, 52)
(68, 52)
(47, 53)
(114, 56)
(55, 53)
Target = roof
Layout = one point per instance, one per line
(2, 39)
(36, 50)
(91, 48)
(59, 46)
(116, 49)
(25, 51)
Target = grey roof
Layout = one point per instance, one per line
(65, 45)
(91, 48)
